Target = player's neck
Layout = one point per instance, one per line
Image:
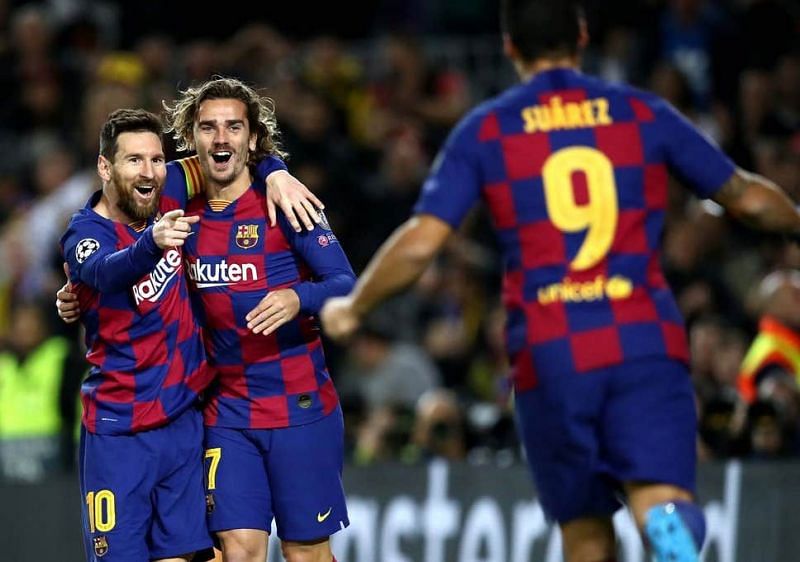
(228, 192)
(528, 70)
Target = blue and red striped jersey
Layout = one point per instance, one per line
(233, 261)
(574, 173)
(143, 340)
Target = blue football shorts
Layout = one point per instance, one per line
(586, 433)
(143, 496)
(291, 474)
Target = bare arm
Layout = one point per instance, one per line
(759, 203)
(398, 263)
(400, 260)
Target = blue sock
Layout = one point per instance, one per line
(676, 531)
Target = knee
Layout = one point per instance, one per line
(237, 548)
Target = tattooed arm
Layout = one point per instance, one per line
(759, 203)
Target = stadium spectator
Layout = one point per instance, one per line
(38, 372)
(775, 351)
(386, 372)
(439, 427)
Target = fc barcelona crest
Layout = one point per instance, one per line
(247, 235)
(100, 545)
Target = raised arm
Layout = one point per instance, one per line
(287, 192)
(185, 180)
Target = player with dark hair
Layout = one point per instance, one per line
(141, 440)
(574, 173)
(274, 428)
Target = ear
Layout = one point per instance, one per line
(252, 143)
(103, 168)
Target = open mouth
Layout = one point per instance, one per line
(145, 190)
(221, 156)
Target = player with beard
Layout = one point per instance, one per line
(141, 439)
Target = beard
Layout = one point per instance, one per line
(128, 204)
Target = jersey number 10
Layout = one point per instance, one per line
(101, 511)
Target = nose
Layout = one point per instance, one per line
(148, 170)
(220, 136)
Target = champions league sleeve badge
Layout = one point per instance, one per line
(86, 248)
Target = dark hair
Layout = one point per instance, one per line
(260, 115)
(126, 121)
(542, 28)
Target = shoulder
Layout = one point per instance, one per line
(186, 167)
(86, 235)
(184, 180)
(623, 91)
(88, 224)
(468, 129)
(85, 222)
(655, 103)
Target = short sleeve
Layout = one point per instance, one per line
(454, 183)
(690, 155)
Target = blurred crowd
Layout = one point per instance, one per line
(362, 118)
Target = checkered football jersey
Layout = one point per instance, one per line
(574, 173)
(143, 341)
(233, 261)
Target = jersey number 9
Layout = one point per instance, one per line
(598, 217)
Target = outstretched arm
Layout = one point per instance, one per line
(104, 270)
(116, 271)
(398, 263)
(759, 203)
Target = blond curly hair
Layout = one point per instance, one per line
(260, 114)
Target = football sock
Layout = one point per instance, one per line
(676, 531)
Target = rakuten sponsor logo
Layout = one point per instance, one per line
(153, 286)
(221, 273)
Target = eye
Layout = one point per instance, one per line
(237, 127)
(206, 128)
(159, 161)
(134, 159)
